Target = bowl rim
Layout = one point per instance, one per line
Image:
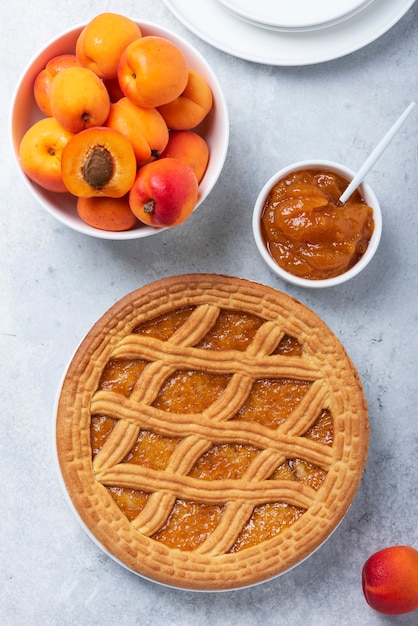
(219, 116)
(366, 191)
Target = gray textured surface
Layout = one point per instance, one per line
(55, 283)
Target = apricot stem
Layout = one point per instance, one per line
(97, 168)
(149, 206)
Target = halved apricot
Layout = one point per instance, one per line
(99, 162)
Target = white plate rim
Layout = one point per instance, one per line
(297, 16)
(273, 47)
(77, 517)
(301, 29)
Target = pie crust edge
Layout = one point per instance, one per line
(109, 525)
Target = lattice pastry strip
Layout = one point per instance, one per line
(190, 332)
(163, 354)
(333, 386)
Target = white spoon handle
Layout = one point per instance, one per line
(377, 152)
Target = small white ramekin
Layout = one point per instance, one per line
(366, 192)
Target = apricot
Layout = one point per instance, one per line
(164, 193)
(79, 99)
(40, 153)
(144, 127)
(113, 89)
(189, 147)
(191, 107)
(152, 71)
(42, 84)
(390, 580)
(110, 214)
(98, 161)
(102, 41)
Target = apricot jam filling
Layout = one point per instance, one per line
(268, 404)
(306, 229)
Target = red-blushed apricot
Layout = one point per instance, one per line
(390, 580)
(191, 107)
(98, 162)
(110, 214)
(164, 193)
(42, 84)
(152, 71)
(40, 153)
(143, 126)
(189, 147)
(102, 41)
(79, 99)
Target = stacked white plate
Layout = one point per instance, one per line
(297, 15)
(289, 32)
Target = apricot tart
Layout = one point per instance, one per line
(211, 432)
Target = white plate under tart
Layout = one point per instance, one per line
(334, 386)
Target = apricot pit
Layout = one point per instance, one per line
(97, 168)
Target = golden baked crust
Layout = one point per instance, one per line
(217, 561)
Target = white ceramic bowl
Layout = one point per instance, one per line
(24, 112)
(368, 196)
